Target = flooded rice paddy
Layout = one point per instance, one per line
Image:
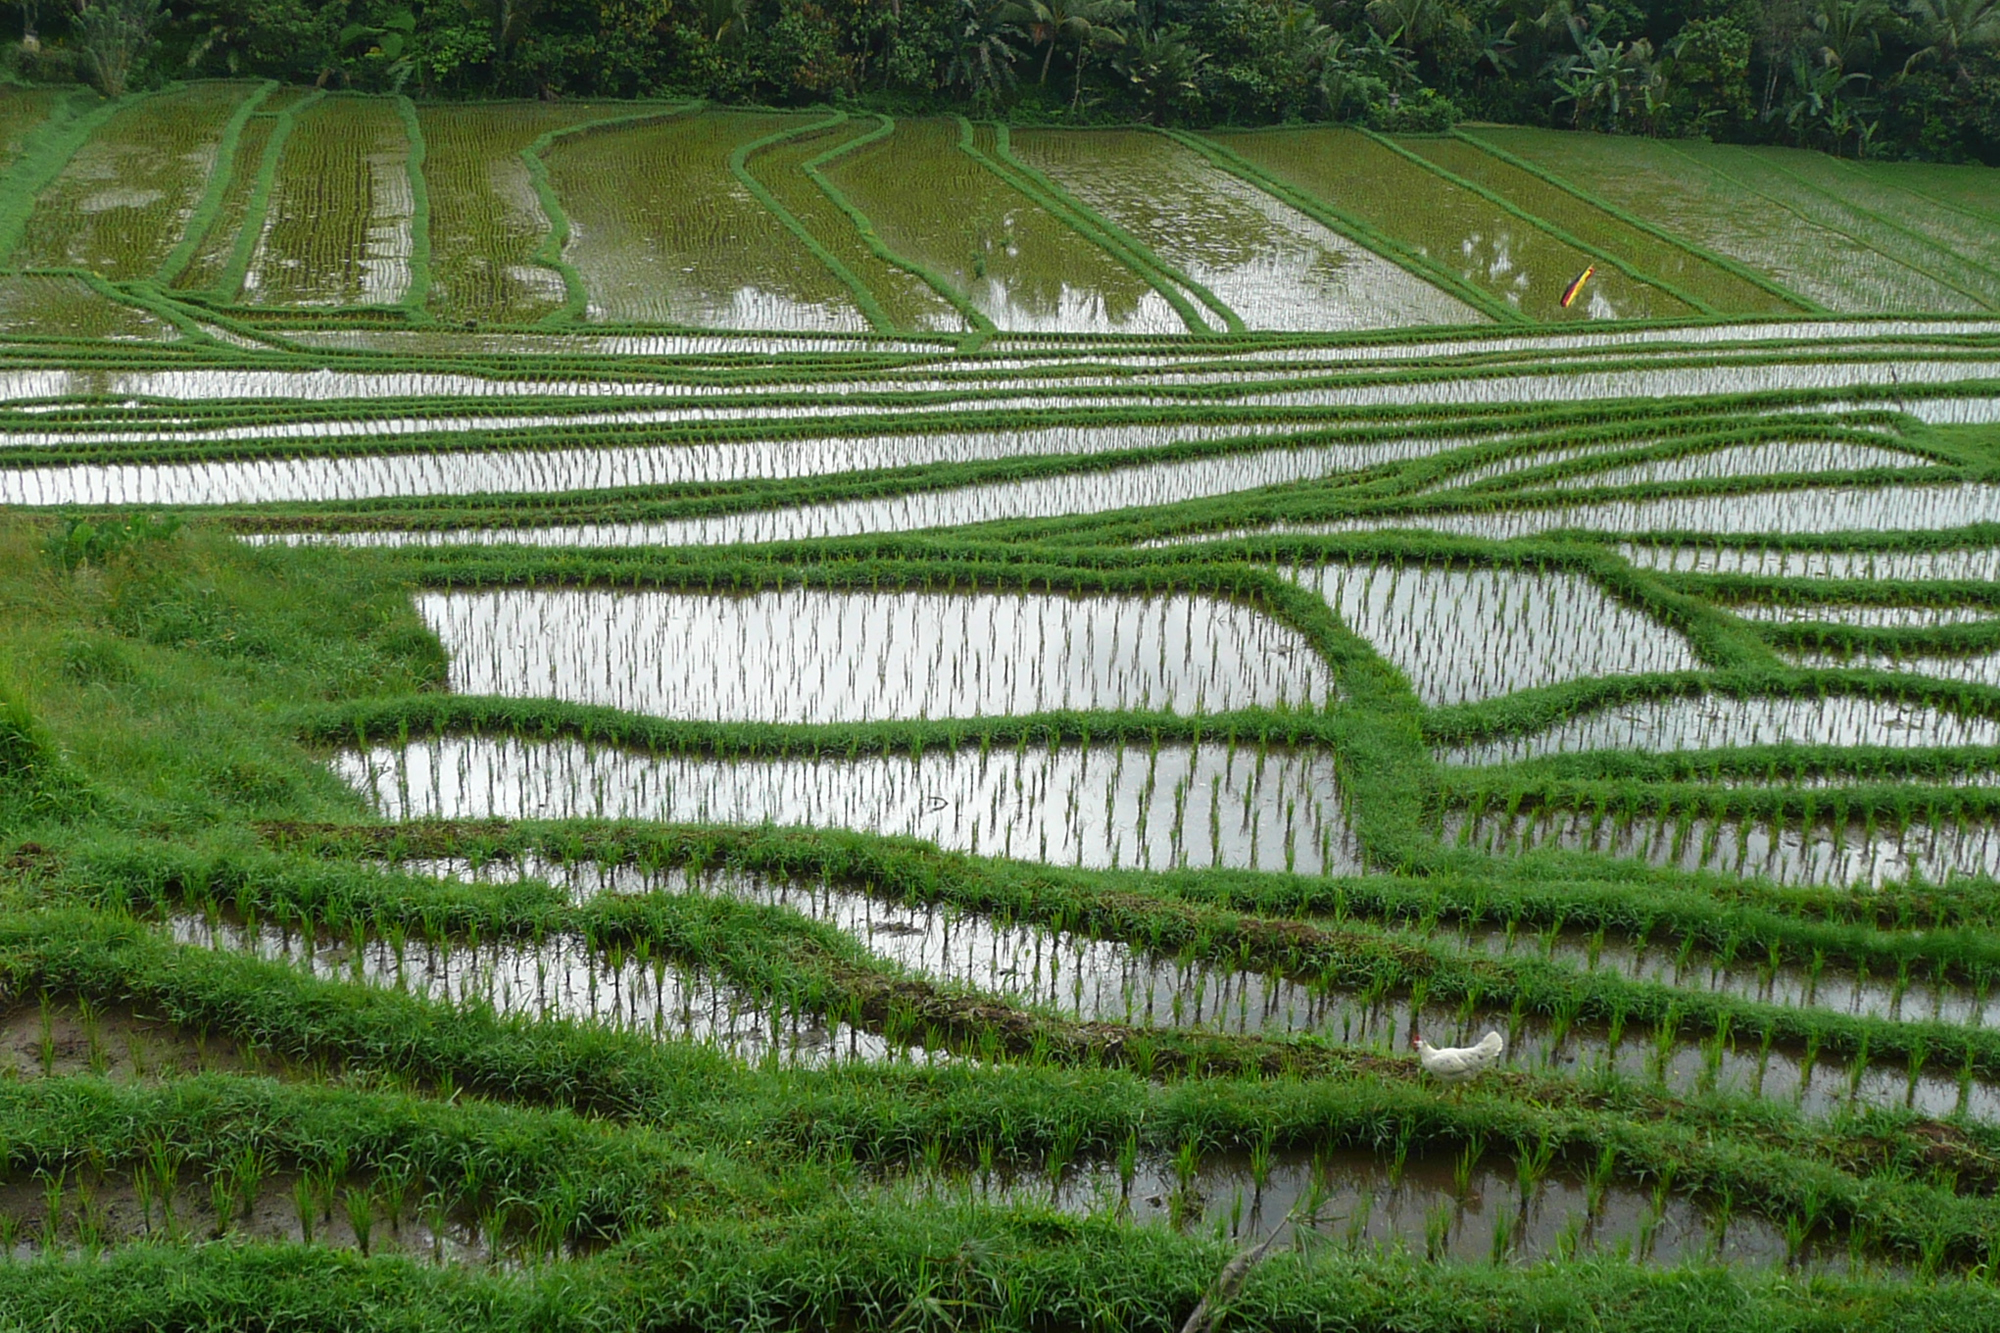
(1972, 669)
(1058, 496)
(1975, 564)
(1088, 979)
(1463, 634)
(557, 979)
(1270, 264)
(1748, 460)
(1106, 805)
(825, 657)
(1803, 510)
(1474, 1208)
(1871, 617)
(1713, 721)
(1842, 854)
(546, 472)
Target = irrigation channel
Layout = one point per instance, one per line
(611, 696)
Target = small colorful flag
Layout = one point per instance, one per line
(1569, 292)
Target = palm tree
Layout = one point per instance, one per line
(983, 59)
(1850, 31)
(724, 20)
(115, 37)
(1086, 24)
(1953, 31)
(1163, 67)
(1603, 77)
(1412, 23)
(1950, 30)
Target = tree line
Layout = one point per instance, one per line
(1916, 79)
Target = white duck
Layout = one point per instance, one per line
(1459, 1064)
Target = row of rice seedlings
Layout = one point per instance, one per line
(1468, 1209)
(1965, 189)
(1861, 616)
(1749, 460)
(167, 1197)
(1000, 350)
(1093, 981)
(123, 201)
(1452, 227)
(338, 229)
(56, 1039)
(706, 401)
(661, 232)
(1464, 634)
(588, 343)
(1970, 564)
(1512, 463)
(1088, 979)
(486, 221)
(1104, 806)
(1433, 389)
(557, 979)
(1705, 380)
(1272, 265)
(1726, 1061)
(1891, 935)
(1710, 283)
(215, 250)
(1670, 189)
(1916, 234)
(1217, 379)
(65, 409)
(42, 305)
(1084, 979)
(824, 657)
(1716, 721)
(549, 472)
(210, 384)
(1978, 669)
(23, 109)
(1822, 851)
(1957, 232)
(1011, 259)
(1955, 410)
(1801, 510)
(1912, 992)
(1140, 485)
(1565, 463)
(1715, 336)
(905, 299)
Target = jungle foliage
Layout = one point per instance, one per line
(1885, 78)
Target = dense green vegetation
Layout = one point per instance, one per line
(1916, 79)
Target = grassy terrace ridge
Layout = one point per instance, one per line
(946, 811)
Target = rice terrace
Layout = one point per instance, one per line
(746, 708)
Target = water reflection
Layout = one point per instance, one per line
(805, 655)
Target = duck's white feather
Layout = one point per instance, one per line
(1461, 1064)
